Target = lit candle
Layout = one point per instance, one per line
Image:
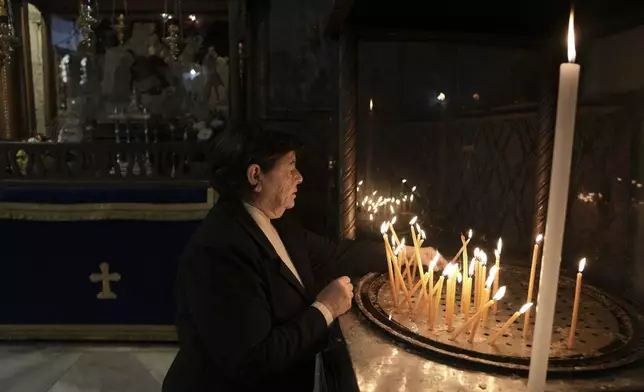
(393, 231)
(575, 308)
(458, 278)
(423, 291)
(399, 274)
(483, 276)
(467, 293)
(477, 316)
(419, 263)
(458, 254)
(497, 253)
(465, 267)
(383, 230)
(403, 256)
(477, 277)
(450, 297)
(511, 320)
(430, 284)
(533, 271)
(439, 293)
(486, 291)
(556, 219)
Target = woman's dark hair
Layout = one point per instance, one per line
(239, 146)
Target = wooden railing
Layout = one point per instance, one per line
(104, 161)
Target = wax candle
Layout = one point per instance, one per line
(383, 230)
(533, 271)
(556, 220)
(424, 284)
(486, 290)
(511, 320)
(477, 277)
(497, 297)
(403, 255)
(458, 280)
(439, 292)
(575, 308)
(497, 253)
(430, 283)
(467, 293)
(450, 297)
(465, 266)
(393, 230)
(401, 280)
(483, 267)
(418, 263)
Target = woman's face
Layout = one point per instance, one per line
(274, 191)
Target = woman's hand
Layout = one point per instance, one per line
(427, 254)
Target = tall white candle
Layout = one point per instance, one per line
(556, 219)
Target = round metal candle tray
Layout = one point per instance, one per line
(608, 334)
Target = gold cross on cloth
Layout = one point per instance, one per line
(105, 277)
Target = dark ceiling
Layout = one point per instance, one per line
(532, 19)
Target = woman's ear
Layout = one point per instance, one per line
(253, 176)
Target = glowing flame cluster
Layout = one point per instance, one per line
(590, 197)
(373, 204)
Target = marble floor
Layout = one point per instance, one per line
(83, 368)
(66, 367)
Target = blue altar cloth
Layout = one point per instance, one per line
(54, 239)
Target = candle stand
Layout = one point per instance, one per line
(609, 333)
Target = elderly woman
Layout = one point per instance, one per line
(257, 292)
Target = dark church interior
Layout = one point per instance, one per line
(464, 214)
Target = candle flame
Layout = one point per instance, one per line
(404, 180)
(370, 216)
(384, 227)
(447, 271)
(483, 257)
(525, 307)
(374, 193)
(422, 234)
(389, 316)
(582, 265)
(476, 252)
(459, 277)
(499, 294)
(434, 261)
(393, 240)
(411, 198)
(497, 254)
(499, 245)
(413, 189)
(538, 239)
(413, 221)
(472, 266)
(469, 234)
(393, 221)
(371, 104)
(572, 53)
(400, 247)
(490, 278)
(360, 183)
(391, 208)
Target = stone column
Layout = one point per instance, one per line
(546, 113)
(347, 108)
